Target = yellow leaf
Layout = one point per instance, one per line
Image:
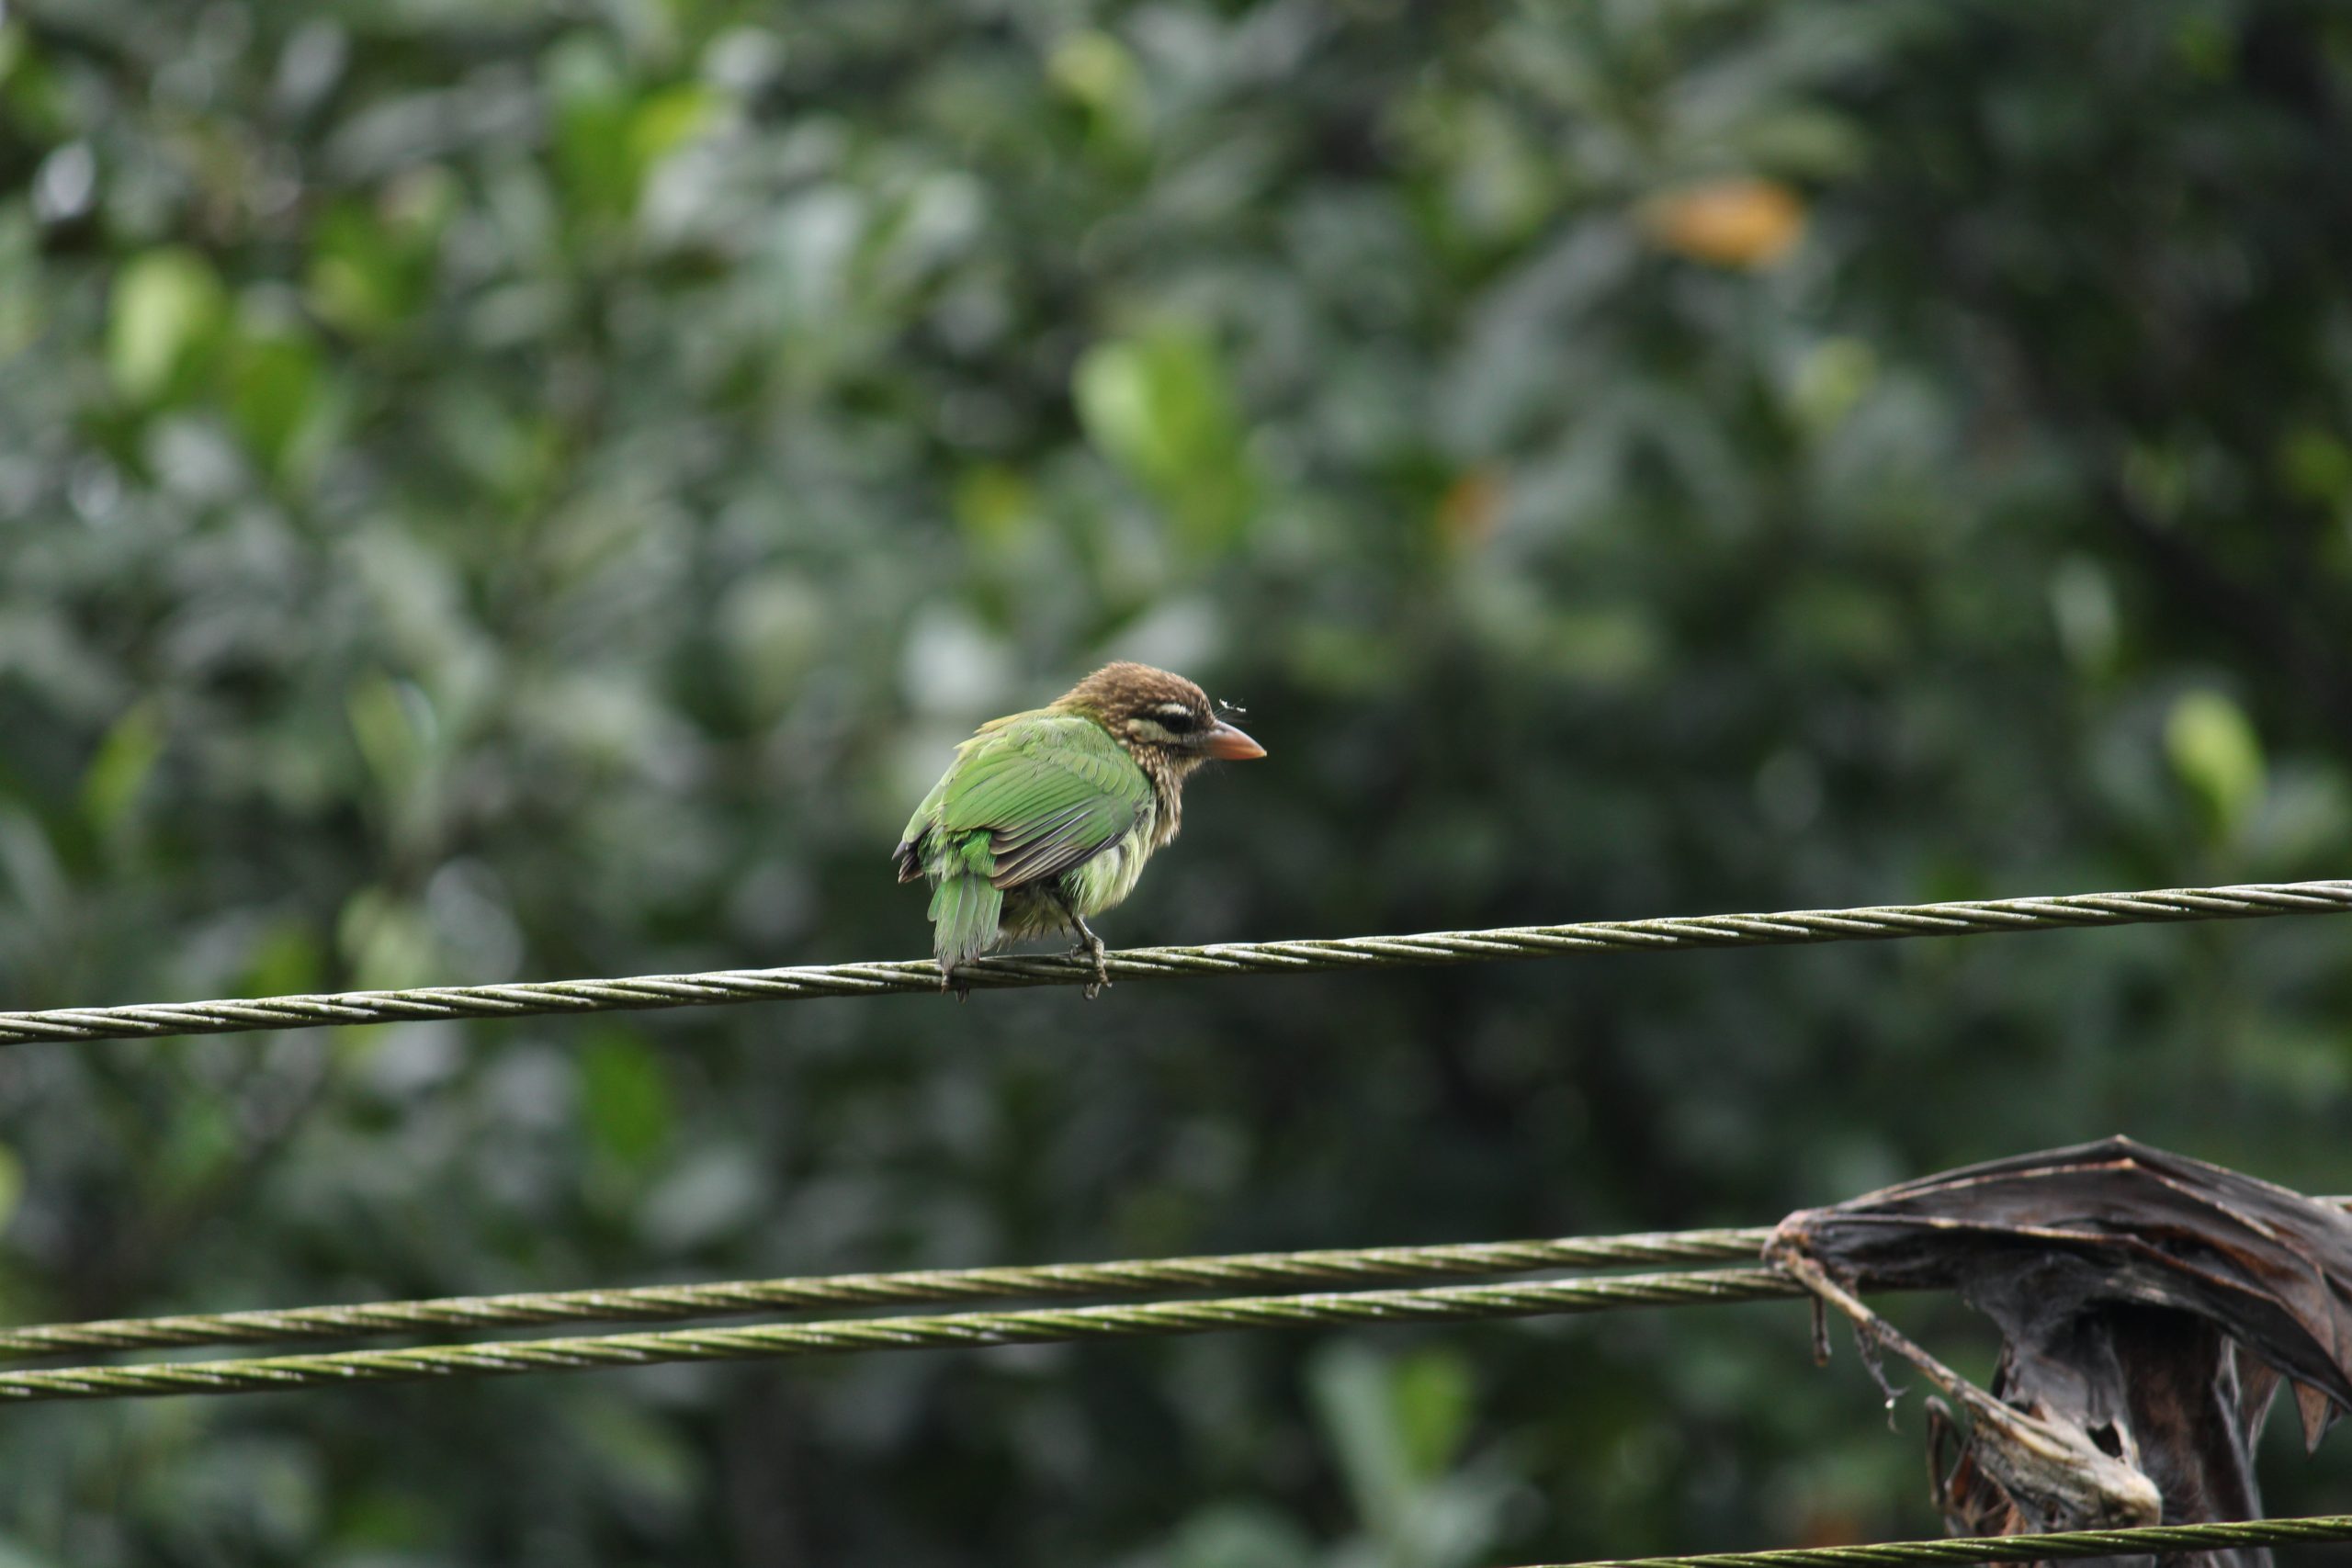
(1471, 507)
(1730, 222)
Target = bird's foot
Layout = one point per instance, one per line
(953, 984)
(1091, 946)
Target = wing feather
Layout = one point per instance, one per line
(1074, 841)
(1051, 793)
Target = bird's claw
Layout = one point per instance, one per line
(1092, 948)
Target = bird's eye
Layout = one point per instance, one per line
(1175, 718)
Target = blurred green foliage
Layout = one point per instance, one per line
(519, 489)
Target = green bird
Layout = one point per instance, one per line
(1046, 817)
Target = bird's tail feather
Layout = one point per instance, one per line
(965, 907)
(964, 912)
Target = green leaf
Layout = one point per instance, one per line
(2317, 465)
(285, 961)
(1159, 406)
(393, 724)
(12, 1184)
(2082, 603)
(773, 624)
(665, 122)
(1238, 1535)
(15, 1555)
(636, 1453)
(389, 943)
(591, 124)
(1100, 74)
(197, 1147)
(996, 508)
(371, 268)
(1357, 1412)
(1832, 377)
(2216, 753)
(22, 285)
(1431, 1389)
(119, 772)
(609, 137)
(168, 303)
(1115, 393)
(1095, 69)
(625, 1097)
(275, 389)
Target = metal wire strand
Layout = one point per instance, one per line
(151, 1020)
(656, 1303)
(1446, 1303)
(2139, 1541)
(1120, 1278)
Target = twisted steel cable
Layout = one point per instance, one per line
(1875, 923)
(2140, 1541)
(665, 1304)
(1443, 1303)
(659, 1302)
(656, 1303)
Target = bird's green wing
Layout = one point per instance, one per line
(1051, 791)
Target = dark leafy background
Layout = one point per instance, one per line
(512, 490)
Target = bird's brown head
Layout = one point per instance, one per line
(1161, 717)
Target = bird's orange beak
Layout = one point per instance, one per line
(1229, 745)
